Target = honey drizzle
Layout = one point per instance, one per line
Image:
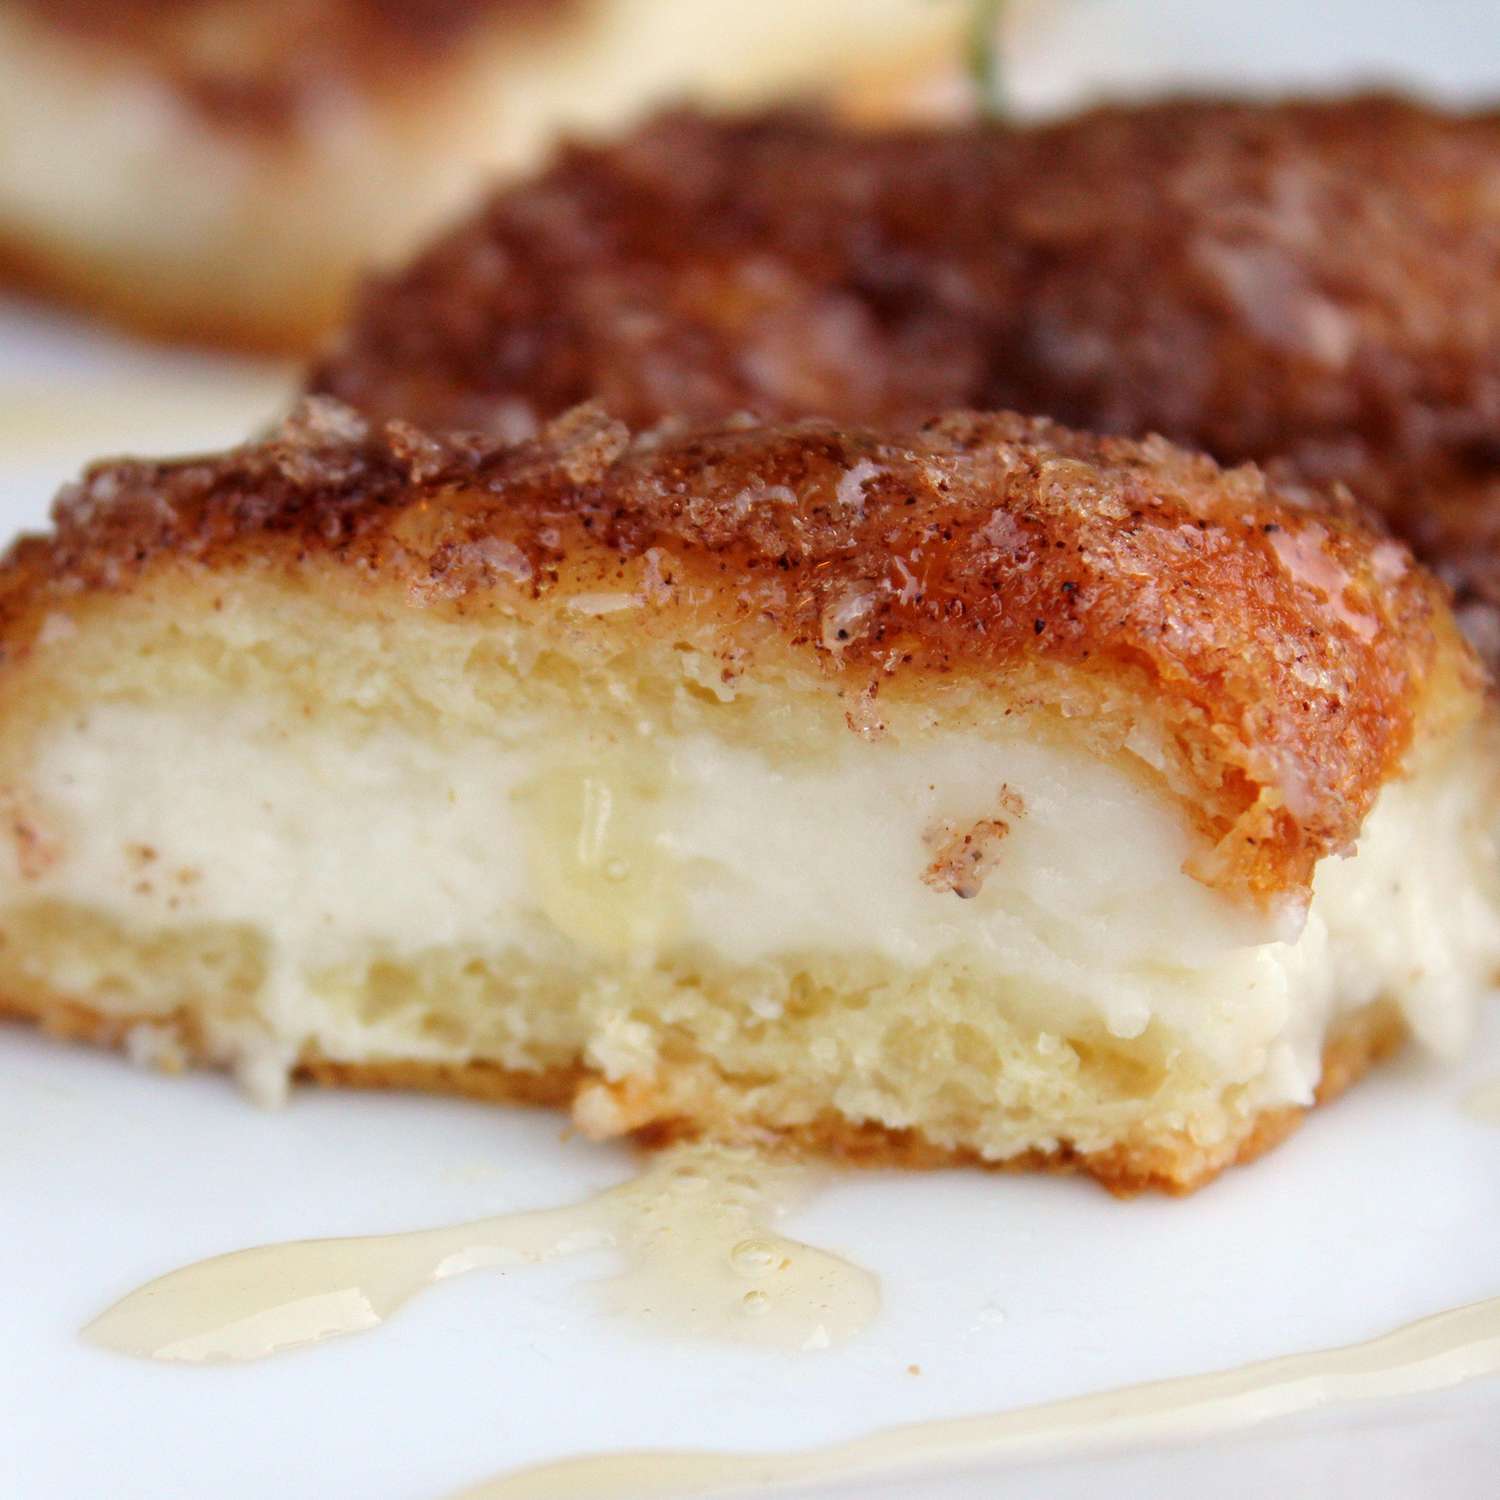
(1433, 1354)
(694, 1229)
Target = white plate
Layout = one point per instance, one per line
(1001, 1291)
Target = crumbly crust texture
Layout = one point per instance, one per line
(1173, 1164)
(1286, 651)
(1317, 282)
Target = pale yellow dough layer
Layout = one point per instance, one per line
(295, 836)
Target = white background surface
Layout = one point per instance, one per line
(1003, 1291)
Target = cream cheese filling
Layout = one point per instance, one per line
(339, 844)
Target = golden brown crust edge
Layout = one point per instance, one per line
(1286, 651)
(1176, 1165)
(202, 314)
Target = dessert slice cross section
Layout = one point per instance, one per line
(980, 791)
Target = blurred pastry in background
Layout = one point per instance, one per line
(979, 792)
(218, 170)
(1314, 282)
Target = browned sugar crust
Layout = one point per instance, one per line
(1284, 650)
(265, 64)
(1316, 281)
(1174, 1164)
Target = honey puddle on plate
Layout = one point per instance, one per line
(701, 1256)
(1429, 1355)
(695, 1230)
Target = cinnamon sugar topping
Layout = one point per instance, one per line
(1158, 581)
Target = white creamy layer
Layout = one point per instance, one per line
(342, 846)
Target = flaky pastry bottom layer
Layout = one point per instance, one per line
(1174, 1164)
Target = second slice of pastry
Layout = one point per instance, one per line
(221, 171)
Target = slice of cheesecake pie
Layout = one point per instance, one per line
(985, 791)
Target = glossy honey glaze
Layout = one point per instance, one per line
(1429, 1355)
(695, 1232)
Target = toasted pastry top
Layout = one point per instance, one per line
(1318, 281)
(1284, 651)
(265, 64)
